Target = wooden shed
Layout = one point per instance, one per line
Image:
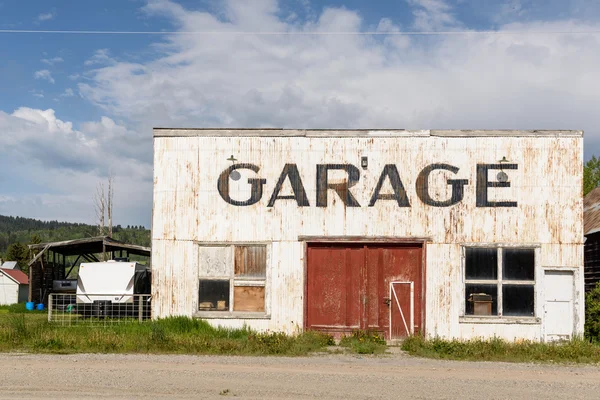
(591, 227)
(14, 286)
(447, 233)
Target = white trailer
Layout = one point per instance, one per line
(109, 288)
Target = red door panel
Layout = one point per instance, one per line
(375, 292)
(348, 287)
(387, 264)
(333, 280)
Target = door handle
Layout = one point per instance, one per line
(387, 301)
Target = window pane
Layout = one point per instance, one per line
(249, 298)
(250, 261)
(214, 295)
(214, 261)
(481, 299)
(481, 263)
(517, 300)
(519, 264)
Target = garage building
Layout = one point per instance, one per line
(447, 233)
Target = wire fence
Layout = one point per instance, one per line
(68, 309)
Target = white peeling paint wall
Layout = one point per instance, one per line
(188, 209)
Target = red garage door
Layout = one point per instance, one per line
(365, 286)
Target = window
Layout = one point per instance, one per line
(499, 281)
(232, 278)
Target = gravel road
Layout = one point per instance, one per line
(325, 377)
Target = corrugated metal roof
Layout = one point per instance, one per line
(591, 212)
(16, 275)
(279, 132)
(9, 265)
(93, 245)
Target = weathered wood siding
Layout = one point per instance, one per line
(547, 186)
(592, 261)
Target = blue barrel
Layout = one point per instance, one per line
(40, 307)
(29, 305)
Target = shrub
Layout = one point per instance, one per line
(496, 349)
(363, 336)
(592, 314)
(364, 342)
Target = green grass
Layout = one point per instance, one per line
(574, 351)
(32, 333)
(364, 342)
(18, 308)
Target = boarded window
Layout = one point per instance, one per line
(236, 272)
(250, 261)
(249, 298)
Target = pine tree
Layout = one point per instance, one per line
(591, 175)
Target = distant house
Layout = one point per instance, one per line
(14, 286)
(10, 265)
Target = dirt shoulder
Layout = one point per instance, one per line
(330, 377)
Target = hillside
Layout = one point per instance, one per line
(21, 230)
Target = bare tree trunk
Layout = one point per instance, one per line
(110, 204)
(100, 207)
(103, 205)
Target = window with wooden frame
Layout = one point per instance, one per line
(232, 278)
(499, 281)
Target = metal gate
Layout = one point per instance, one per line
(402, 315)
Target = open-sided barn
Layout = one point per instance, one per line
(456, 234)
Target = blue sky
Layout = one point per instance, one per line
(66, 99)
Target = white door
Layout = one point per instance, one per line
(558, 305)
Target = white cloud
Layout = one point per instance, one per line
(68, 93)
(64, 164)
(431, 15)
(44, 74)
(528, 81)
(101, 57)
(52, 61)
(341, 81)
(38, 94)
(41, 136)
(46, 16)
(68, 197)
